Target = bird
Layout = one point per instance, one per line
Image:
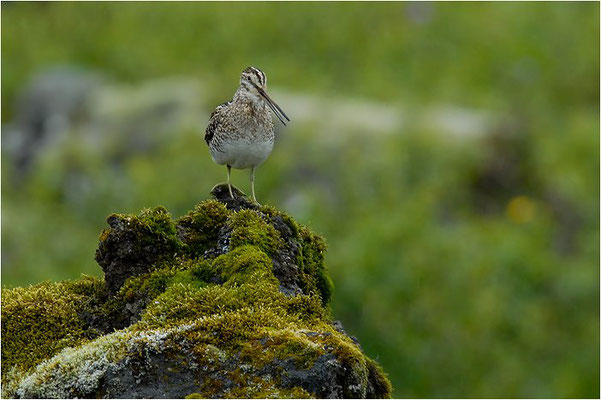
(240, 132)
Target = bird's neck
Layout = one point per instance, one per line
(244, 96)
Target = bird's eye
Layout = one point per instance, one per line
(248, 77)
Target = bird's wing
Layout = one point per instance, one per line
(214, 122)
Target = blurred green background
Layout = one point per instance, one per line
(449, 152)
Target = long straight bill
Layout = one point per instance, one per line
(274, 107)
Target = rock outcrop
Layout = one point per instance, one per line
(231, 300)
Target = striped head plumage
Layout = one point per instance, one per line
(253, 85)
(255, 76)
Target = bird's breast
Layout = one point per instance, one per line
(242, 151)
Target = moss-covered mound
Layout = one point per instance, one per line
(231, 300)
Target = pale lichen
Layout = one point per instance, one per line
(74, 372)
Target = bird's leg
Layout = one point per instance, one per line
(252, 182)
(229, 185)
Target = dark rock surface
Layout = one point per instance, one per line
(221, 193)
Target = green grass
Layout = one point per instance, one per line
(469, 53)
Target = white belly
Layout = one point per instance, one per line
(242, 153)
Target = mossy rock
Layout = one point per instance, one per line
(135, 244)
(231, 300)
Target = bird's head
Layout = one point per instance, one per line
(253, 82)
(253, 78)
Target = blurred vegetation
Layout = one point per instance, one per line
(468, 268)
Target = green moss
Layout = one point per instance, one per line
(39, 321)
(219, 306)
(243, 265)
(311, 262)
(158, 221)
(155, 228)
(149, 285)
(200, 227)
(195, 276)
(209, 388)
(142, 289)
(248, 228)
(379, 380)
(281, 345)
(249, 288)
(243, 382)
(196, 396)
(89, 286)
